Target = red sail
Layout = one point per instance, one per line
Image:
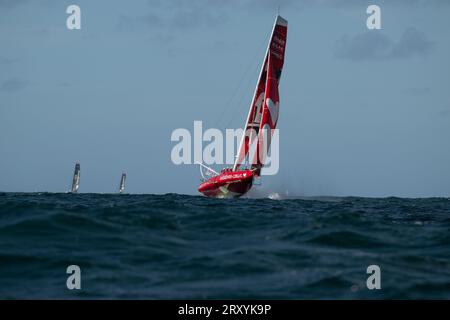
(269, 118)
(264, 108)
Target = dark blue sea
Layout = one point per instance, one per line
(184, 247)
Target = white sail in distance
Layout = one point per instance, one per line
(76, 178)
(122, 183)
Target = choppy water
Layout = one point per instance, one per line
(177, 246)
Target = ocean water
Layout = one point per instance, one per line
(177, 246)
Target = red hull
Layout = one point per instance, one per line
(228, 184)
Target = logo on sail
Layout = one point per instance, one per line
(273, 110)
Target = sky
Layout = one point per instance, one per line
(362, 112)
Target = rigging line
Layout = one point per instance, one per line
(240, 83)
(249, 81)
(235, 94)
(241, 104)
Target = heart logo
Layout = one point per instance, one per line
(273, 109)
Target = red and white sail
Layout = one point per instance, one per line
(263, 114)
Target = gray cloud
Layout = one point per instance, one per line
(273, 4)
(13, 85)
(412, 43)
(198, 18)
(8, 4)
(444, 113)
(177, 14)
(8, 61)
(180, 19)
(162, 38)
(366, 46)
(185, 15)
(127, 23)
(417, 91)
(375, 45)
(381, 3)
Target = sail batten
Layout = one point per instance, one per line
(266, 92)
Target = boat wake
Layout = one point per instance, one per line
(260, 193)
(274, 196)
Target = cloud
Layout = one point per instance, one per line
(127, 23)
(273, 4)
(179, 19)
(190, 14)
(8, 4)
(13, 85)
(178, 14)
(197, 18)
(412, 43)
(163, 38)
(365, 3)
(444, 113)
(375, 45)
(8, 61)
(365, 46)
(417, 91)
(185, 15)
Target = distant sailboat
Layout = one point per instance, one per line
(122, 183)
(76, 178)
(262, 116)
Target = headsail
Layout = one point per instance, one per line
(263, 113)
(122, 183)
(76, 178)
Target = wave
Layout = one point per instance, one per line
(181, 246)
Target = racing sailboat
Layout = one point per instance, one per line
(122, 183)
(261, 122)
(76, 178)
